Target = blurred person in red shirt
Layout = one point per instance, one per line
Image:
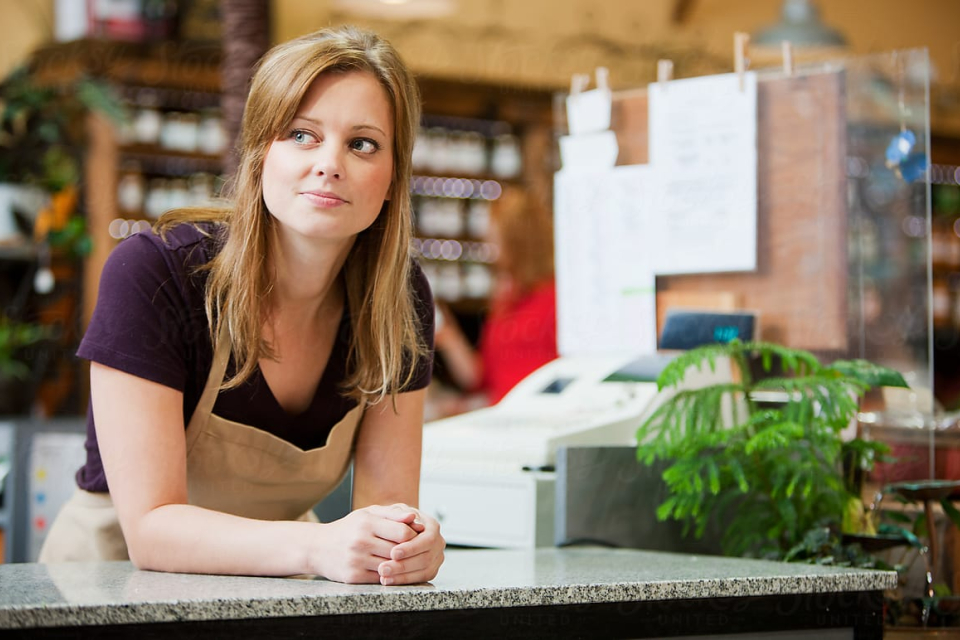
(519, 334)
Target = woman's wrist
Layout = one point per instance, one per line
(311, 547)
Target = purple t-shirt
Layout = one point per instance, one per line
(150, 322)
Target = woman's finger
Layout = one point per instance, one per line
(420, 568)
(398, 512)
(394, 532)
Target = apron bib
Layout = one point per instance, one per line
(231, 467)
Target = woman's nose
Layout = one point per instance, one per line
(328, 162)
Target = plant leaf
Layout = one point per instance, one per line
(874, 375)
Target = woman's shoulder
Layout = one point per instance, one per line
(185, 235)
(184, 244)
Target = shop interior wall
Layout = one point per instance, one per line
(542, 42)
(24, 25)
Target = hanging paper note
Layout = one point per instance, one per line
(703, 155)
(606, 302)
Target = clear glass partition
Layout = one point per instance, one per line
(844, 232)
(889, 253)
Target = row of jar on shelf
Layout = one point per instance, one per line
(139, 195)
(454, 281)
(178, 131)
(443, 150)
(447, 217)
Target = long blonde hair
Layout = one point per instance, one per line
(386, 340)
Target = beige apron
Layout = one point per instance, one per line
(231, 467)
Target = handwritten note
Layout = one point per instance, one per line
(606, 301)
(703, 156)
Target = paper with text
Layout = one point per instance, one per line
(703, 153)
(606, 299)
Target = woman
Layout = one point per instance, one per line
(242, 358)
(520, 333)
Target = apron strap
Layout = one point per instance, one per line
(221, 356)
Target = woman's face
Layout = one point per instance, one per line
(327, 177)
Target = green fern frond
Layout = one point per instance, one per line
(763, 417)
(736, 470)
(665, 510)
(707, 355)
(793, 360)
(868, 373)
(713, 476)
(776, 436)
(689, 410)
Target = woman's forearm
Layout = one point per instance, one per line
(188, 539)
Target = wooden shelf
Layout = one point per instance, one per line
(169, 162)
(190, 66)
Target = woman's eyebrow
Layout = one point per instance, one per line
(356, 127)
(361, 127)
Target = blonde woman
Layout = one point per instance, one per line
(242, 358)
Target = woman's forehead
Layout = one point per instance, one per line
(362, 91)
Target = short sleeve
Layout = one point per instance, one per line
(144, 323)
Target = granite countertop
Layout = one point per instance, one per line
(76, 594)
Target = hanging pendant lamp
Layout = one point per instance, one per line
(801, 26)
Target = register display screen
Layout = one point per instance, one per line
(557, 385)
(686, 330)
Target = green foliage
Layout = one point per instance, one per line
(42, 127)
(15, 336)
(822, 545)
(73, 237)
(771, 471)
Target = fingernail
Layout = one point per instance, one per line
(386, 581)
(385, 570)
(397, 554)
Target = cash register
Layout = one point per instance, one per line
(488, 476)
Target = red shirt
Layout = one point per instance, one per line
(519, 336)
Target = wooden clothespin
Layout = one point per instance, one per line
(603, 78)
(787, 50)
(740, 61)
(578, 83)
(664, 73)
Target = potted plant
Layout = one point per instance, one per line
(772, 470)
(42, 138)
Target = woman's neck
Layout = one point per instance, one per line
(307, 281)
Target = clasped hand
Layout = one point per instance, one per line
(392, 545)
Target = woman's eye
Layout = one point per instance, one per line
(300, 136)
(364, 145)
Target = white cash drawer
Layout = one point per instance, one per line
(497, 510)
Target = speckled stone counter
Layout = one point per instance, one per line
(543, 593)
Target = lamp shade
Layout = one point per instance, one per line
(800, 25)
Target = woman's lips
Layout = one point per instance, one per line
(323, 198)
